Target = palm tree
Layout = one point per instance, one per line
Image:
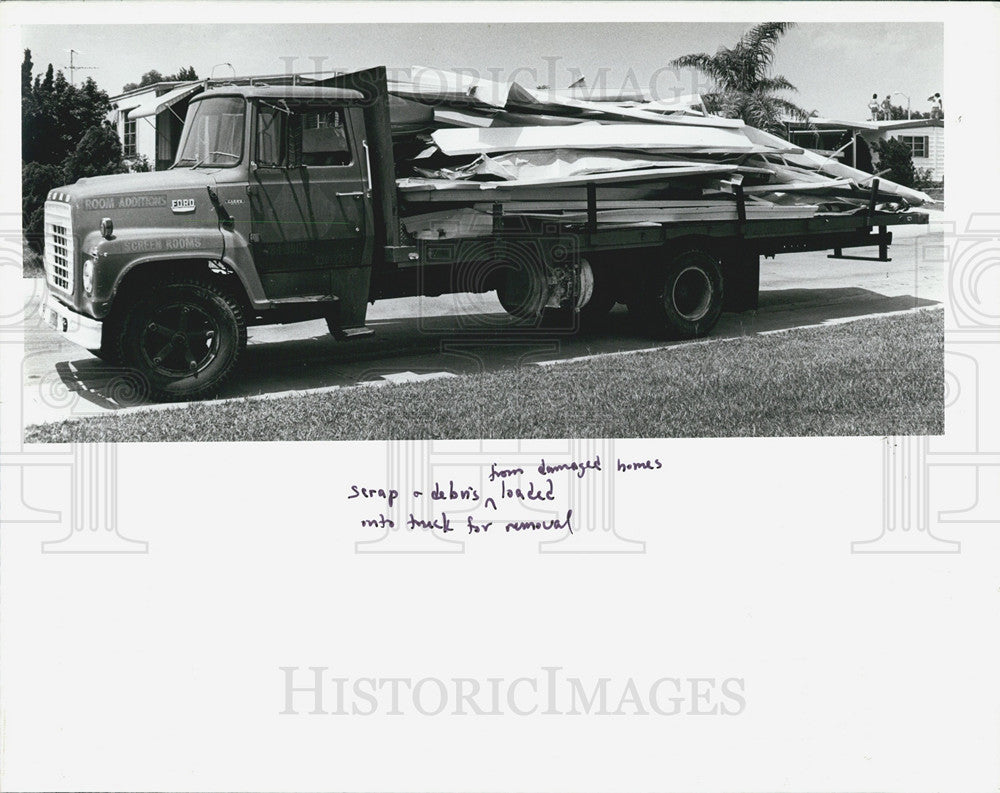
(744, 87)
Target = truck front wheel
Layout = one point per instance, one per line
(684, 299)
(184, 337)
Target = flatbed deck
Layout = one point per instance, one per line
(763, 236)
(766, 237)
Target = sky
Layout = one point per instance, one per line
(836, 66)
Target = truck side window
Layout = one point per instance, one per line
(288, 137)
(324, 138)
(272, 148)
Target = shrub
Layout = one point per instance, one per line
(138, 164)
(36, 181)
(896, 158)
(923, 177)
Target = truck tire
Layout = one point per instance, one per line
(184, 337)
(521, 290)
(521, 279)
(682, 300)
(602, 298)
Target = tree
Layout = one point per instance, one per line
(26, 68)
(99, 152)
(898, 113)
(743, 85)
(28, 110)
(149, 78)
(55, 114)
(896, 159)
(184, 74)
(64, 137)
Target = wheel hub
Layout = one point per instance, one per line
(179, 339)
(691, 294)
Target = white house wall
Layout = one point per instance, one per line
(935, 146)
(145, 132)
(935, 149)
(145, 139)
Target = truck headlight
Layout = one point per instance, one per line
(88, 276)
(107, 228)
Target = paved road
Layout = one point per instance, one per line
(457, 334)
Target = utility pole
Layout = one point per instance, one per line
(73, 67)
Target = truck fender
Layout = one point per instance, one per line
(201, 261)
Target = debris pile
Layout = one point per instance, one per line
(464, 144)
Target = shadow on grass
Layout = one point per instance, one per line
(876, 376)
(416, 348)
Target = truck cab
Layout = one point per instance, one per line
(266, 215)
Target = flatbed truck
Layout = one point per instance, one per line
(282, 206)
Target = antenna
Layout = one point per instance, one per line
(72, 67)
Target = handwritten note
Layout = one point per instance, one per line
(506, 488)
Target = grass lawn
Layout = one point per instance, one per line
(882, 376)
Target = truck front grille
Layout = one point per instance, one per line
(60, 257)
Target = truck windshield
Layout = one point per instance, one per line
(213, 133)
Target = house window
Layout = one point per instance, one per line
(917, 143)
(128, 139)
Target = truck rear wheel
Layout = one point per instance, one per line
(521, 289)
(602, 297)
(184, 337)
(684, 299)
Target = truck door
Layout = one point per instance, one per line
(310, 202)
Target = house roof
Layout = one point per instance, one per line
(127, 96)
(154, 104)
(873, 126)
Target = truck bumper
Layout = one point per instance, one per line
(71, 325)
